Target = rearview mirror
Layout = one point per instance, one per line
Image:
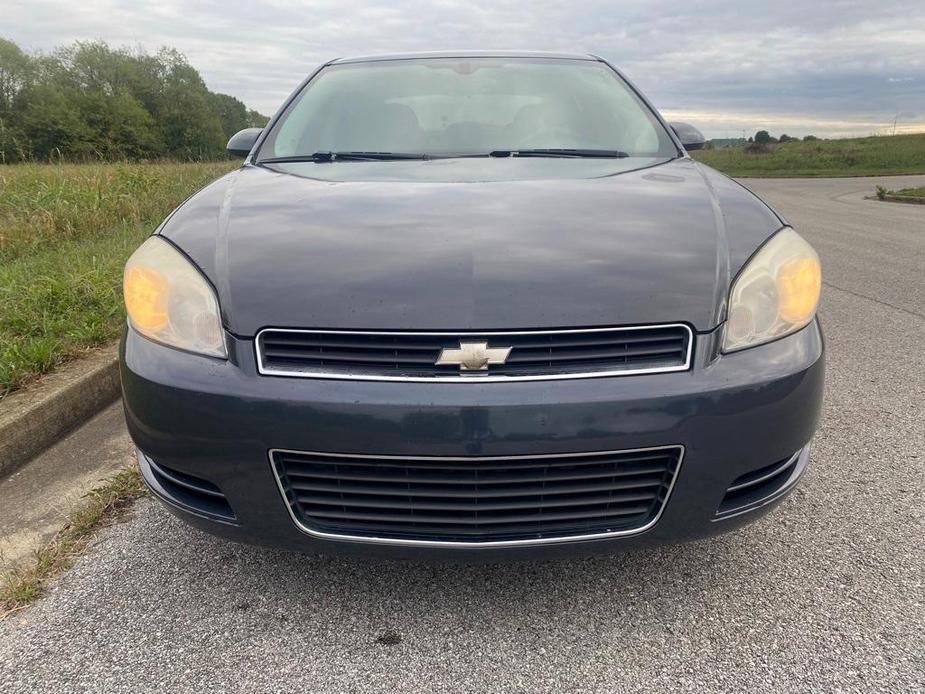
(690, 137)
(242, 142)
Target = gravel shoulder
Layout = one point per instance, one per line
(824, 594)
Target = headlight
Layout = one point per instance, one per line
(169, 301)
(775, 294)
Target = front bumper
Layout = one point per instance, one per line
(216, 421)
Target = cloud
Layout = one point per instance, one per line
(833, 66)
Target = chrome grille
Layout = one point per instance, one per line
(476, 500)
(535, 354)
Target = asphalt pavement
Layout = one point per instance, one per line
(823, 595)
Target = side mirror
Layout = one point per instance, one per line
(690, 137)
(242, 142)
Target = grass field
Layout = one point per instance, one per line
(65, 233)
(865, 156)
(904, 195)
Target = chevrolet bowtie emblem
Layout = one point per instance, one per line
(473, 356)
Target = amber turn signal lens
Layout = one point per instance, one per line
(775, 294)
(146, 291)
(799, 282)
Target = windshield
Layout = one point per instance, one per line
(472, 106)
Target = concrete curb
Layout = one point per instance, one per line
(33, 419)
(908, 199)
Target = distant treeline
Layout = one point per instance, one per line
(90, 101)
(762, 137)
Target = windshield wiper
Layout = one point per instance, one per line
(568, 153)
(324, 157)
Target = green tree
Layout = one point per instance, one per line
(231, 112)
(192, 129)
(256, 120)
(762, 137)
(90, 100)
(16, 73)
(121, 127)
(51, 127)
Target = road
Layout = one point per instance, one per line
(825, 594)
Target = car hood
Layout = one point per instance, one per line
(478, 245)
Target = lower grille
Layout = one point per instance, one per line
(476, 500)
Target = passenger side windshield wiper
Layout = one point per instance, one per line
(574, 153)
(324, 157)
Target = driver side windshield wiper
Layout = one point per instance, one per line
(324, 157)
(574, 153)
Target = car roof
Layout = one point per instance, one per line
(464, 54)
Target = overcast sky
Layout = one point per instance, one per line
(830, 67)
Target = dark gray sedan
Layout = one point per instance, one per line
(476, 304)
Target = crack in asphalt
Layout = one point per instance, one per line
(876, 301)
